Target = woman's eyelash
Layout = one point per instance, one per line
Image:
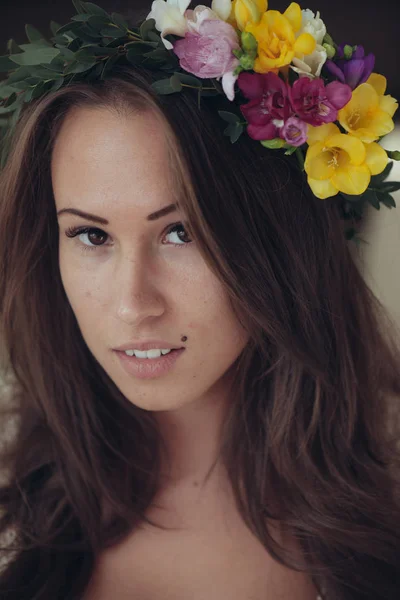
(73, 232)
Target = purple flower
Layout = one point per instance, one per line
(315, 103)
(269, 105)
(294, 131)
(207, 53)
(355, 71)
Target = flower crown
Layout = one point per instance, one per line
(293, 88)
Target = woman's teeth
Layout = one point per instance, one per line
(155, 353)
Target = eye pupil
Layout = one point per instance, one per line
(94, 235)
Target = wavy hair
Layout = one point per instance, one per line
(308, 442)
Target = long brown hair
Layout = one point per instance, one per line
(307, 443)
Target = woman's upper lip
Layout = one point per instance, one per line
(149, 345)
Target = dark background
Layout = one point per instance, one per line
(371, 23)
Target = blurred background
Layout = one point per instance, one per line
(374, 25)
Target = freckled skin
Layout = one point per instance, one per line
(142, 283)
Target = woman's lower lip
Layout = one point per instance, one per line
(147, 368)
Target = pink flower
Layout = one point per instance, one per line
(269, 107)
(207, 52)
(316, 104)
(294, 131)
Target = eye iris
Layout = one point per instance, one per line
(96, 236)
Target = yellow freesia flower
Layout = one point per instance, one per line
(246, 11)
(337, 162)
(277, 44)
(368, 115)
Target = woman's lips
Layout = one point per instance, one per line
(149, 368)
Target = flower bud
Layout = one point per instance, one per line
(247, 62)
(249, 43)
(238, 52)
(348, 51)
(328, 40)
(330, 50)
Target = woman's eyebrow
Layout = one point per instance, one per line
(152, 217)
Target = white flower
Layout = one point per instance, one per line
(169, 18)
(194, 18)
(310, 65)
(222, 8)
(313, 24)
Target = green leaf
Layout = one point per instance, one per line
(19, 75)
(140, 47)
(57, 64)
(386, 199)
(95, 73)
(390, 186)
(229, 117)
(84, 55)
(10, 100)
(57, 83)
(189, 79)
(35, 57)
(167, 86)
(42, 73)
(78, 67)
(98, 23)
(6, 90)
(93, 9)
(371, 197)
(74, 45)
(33, 34)
(81, 17)
(290, 150)
(98, 50)
(54, 27)
(152, 36)
(35, 46)
(273, 144)
(234, 131)
(6, 64)
(41, 88)
(114, 32)
(69, 54)
(119, 20)
(74, 26)
(60, 40)
(300, 158)
(79, 6)
(157, 55)
(146, 27)
(12, 47)
(377, 179)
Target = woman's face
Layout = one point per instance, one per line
(132, 279)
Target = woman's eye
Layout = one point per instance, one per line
(174, 229)
(95, 236)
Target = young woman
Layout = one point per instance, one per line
(200, 374)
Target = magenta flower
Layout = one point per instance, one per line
(269, 105)
(315, 103)
(207, 52)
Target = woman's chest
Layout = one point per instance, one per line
(212, 555)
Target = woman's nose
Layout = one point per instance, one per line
(136, 291)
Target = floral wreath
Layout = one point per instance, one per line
(293, 87)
